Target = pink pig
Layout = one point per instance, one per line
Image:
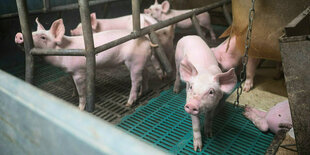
(134, 54)
(205, 82)
(232, 58)
(163, 12)
(165, 35)
(276, 119)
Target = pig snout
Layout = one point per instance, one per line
(192, 107)
(19, 38)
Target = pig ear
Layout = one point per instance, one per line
(187, 70)
(40, 26)
(93, 21)
(58, 30)
(227, 80)
(165, 6)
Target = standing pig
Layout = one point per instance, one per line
(229, 56)
(205, 82)
(165, 35)
(163, 12)
(134, 54)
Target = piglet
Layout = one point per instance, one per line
(165, 35)
(205, 83)
(229, 56)
(276, 119)
(134, 54)
(163, 12)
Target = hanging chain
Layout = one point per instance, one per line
(245, 56)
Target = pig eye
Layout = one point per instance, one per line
(43, 37)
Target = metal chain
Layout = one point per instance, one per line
(245, 56)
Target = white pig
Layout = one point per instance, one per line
(163, 12)
(165, 35)
(134, 54)
(205, 82)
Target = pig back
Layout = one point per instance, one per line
(271, 16)
(197, 52)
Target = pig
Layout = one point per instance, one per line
(205, 82)
(268, 25)
(165, 35)
(229, 56)
(163, 12)
(276, 119)
(134, 54)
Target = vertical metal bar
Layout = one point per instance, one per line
(226, 14)
(46, 5)
(198, 28)
(160, 53)
(135, 15)
(90, 55)
(27, 35)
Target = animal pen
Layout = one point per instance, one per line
(44, 124)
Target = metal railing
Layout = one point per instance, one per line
(90, 50)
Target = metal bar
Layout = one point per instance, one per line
(135, 15)
(46, 5)
(58, 8)
(198, 28)
(27, 35)
(56, 127)
(226, 14)
(90, 55)
(159, 51)
(63, 52)
(159, 25)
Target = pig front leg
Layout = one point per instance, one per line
(74, 90)
(177, 82)
(160, 73)
(250, 73)
(145, 82)
(80, 84)
(197, 143)
(208, 123)
(255, 116)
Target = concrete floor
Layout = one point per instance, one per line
(266, 93)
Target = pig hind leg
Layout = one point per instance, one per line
(145, 77)
(136, 80)
(250, 73)
(79, 80)
(207, 25)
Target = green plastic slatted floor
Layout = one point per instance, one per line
(164, 122)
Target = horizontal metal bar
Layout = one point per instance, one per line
(58, 8)
(35, 122)
(64, 52)
(160, 25)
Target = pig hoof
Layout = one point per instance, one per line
(247, 86)
(128, 104)
(81, 107)
(197, 144)
(208, 133)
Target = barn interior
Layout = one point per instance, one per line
(157, 117)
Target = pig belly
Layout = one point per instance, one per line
(184, 24)
(269, 22)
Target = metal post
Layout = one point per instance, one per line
(198, 28)
(226, 14)
(27, 35)
(160, 53)
(135, 15)
(46, 5)
(90, 55)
